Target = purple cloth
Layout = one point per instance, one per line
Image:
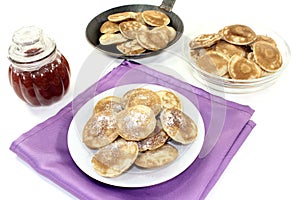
(45, 148)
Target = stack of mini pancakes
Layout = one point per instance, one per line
(135, 129)
(133, 33)
(236, 52)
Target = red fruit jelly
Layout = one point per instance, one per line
(39, 73)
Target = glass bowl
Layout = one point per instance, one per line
(228, 85)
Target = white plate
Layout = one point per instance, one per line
(133, 177)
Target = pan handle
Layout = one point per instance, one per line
(167, 5)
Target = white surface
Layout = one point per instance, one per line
(267, 165)
(134, 177)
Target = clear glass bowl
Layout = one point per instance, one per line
(228, 85)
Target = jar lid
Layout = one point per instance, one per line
(29, 44)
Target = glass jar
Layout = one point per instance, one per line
(39, 73)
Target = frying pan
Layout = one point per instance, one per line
(93, 28)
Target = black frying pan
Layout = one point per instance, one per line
(93, 28)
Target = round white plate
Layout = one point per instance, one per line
(134, 176)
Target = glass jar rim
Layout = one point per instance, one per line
(29, 44)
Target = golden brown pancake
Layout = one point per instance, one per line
(242, 68)
(115, 158)
(239, 34)
(110, 103)
(213, 62)
(169, 99)
(138, 17)
(267, 56)
(130, 28)
(109, 27)
(167, 30)
(155, 140)
(205, 40)
(229, 49)
(197, 53)
(142, 96)
(112, 38)
(265, 39)
(118, 17)
(155, 18)
(131, 48)
(178, 125)
(158, 157)
(100, 130)
(136, 122)
(152, 40)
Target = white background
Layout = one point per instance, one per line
(267, 165)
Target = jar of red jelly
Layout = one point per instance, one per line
(39, 73)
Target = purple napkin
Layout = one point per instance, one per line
(45, 148)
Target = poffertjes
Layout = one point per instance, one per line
(142, 96)
(115, 158)
(110, 103)
(155, 140)
(169, 99)
(158, 157)
(239, 34)
(242, 68)
(136, 122)
(134, 33)
(131, 48)
(213, 62)
(129, 29)
(155, 18)
(112, 38)
(249, 55)
(205, 40)
(109, 27)
(118, 17)
(267, 56)
(100, 129)
(178, 125)
(123, 133)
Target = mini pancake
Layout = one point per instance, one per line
(243, 69)
(142, 96)
(109, 27)
(169, 99)
(229, 49)
(155, 18)
(152, 40)
(168, 30)
(118, 17)
(100, 130)
(155, 140)
(197, 53)
(136, 122)
(213, 62)
(178, 125)
(204, 40)
(110, 103)
(131, 48)
(158, 157)
(130, 28)
(115, 158)
(265, 39)
(267, 56)
(112, 38)
(239, 34)
(138, 17)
